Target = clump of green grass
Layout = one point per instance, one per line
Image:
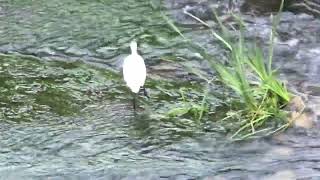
(262, 95)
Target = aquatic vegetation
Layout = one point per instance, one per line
(33, 89)
(30, 88)
(189, 106)
(262, 96)
(258, 87)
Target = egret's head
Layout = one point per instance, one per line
(134, 47)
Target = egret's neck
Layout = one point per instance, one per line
(134, 51)
(134, 48)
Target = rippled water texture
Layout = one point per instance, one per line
(67, 114)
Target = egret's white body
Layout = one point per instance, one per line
(134, 69)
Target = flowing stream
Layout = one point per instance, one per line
(66, 114)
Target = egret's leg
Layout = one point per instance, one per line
(231, 5)
(145, 93)
(134, 102)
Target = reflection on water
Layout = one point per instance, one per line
(77, 120)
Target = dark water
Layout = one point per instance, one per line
(63, 120)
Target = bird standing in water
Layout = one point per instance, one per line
(134, 71)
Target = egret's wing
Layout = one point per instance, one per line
(141, 71)
(134, 71)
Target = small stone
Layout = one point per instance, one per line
(296, 104)
(304, 120)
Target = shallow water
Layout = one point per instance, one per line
(65, 119)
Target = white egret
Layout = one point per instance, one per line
(134, 70)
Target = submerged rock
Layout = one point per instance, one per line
(304, 120)
(298, 6)
(299, 116)
(203, 9)
(262, 6)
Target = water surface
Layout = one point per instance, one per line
(67, 114)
